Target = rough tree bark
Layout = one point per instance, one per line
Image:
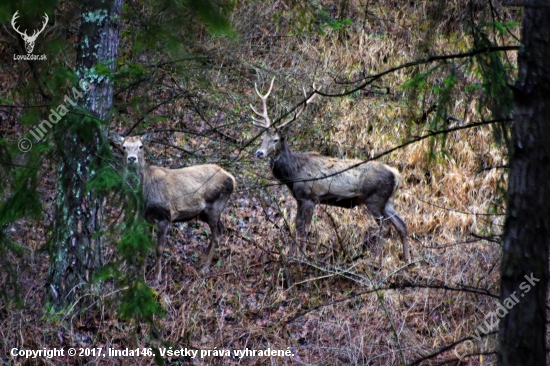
(522, 332)
(74, 250)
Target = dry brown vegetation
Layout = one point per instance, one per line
(346, 303)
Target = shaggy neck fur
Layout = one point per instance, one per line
(285, 165)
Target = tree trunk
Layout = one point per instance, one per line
(527, 229)
(75, 252)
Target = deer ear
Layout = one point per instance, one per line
(147, 137)
(116, 139)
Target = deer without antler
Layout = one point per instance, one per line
(179, 195)
(373, 184)
(29, 40)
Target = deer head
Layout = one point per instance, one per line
(29, 40)
(274, 138)
(132, 146)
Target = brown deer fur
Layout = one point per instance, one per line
(373, 184)
(179, 195)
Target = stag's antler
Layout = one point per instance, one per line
(308, 100)
(267, 122)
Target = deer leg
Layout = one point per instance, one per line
(214, 241)
(376, 209)
(400, 226)
(377, 212)
(163, 226)
(303, 221)
(212, 217)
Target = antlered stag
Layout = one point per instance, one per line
(179, 195)
(373, 184)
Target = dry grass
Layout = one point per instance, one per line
(346, 304)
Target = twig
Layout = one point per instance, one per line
(446, 348)
(427, 60)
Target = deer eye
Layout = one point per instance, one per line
(123, 147)
(141, 147)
